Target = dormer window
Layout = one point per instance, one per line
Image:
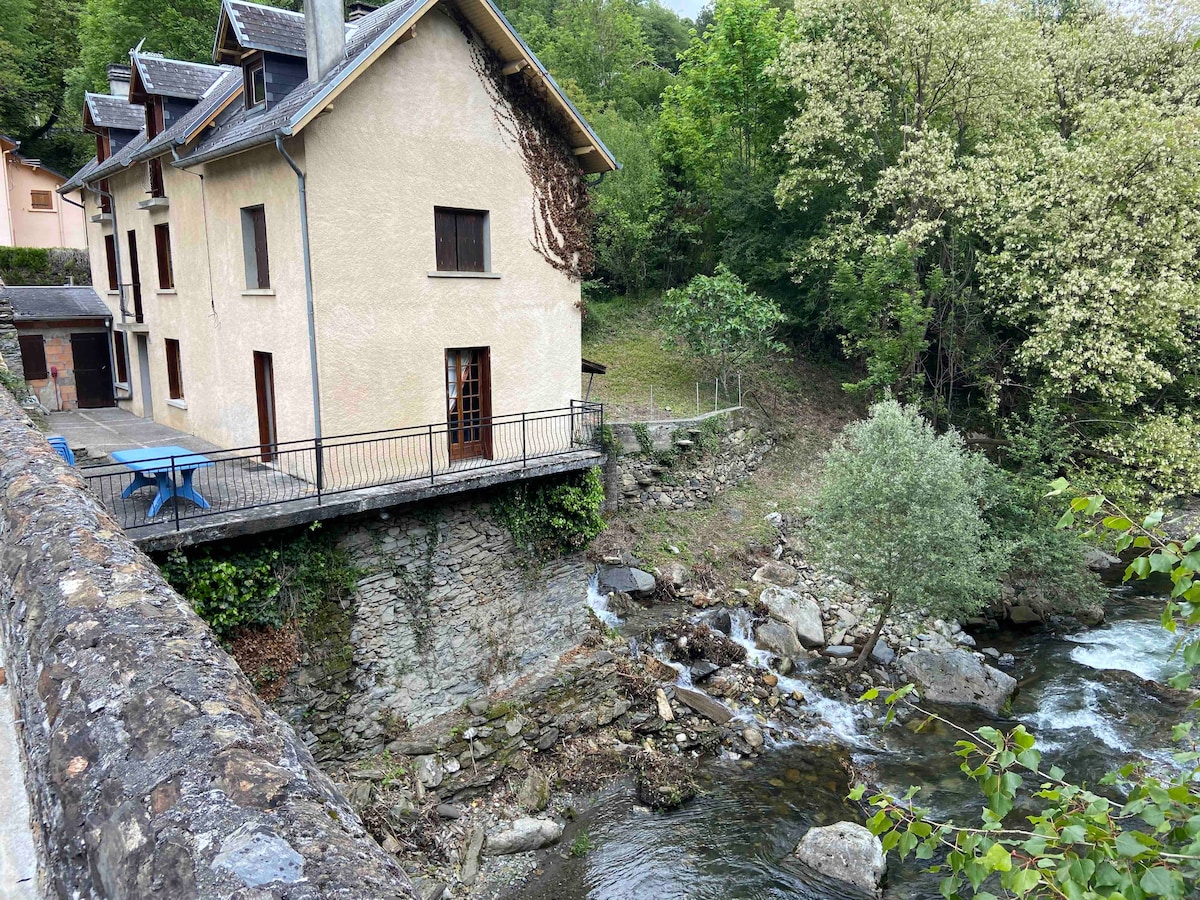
(256, 84)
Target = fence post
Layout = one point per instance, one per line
(431, 477)
(716, 387)
(651, 401)
(175, 498)
(697, 398)
(739, 388)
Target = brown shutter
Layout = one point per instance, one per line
(162, 247)
(119, 356)
(470, 241)
(259, 217)
(174, 370)
(110, 253)
(446, 242)
(33, 356)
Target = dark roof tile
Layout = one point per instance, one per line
(108, 111)
(57, 302)
(175, 78)
(230, 83)
(267, 27)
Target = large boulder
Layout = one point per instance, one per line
(956, 676)
(775, 572)
(802, 613)
(634, 582)
(778, 638)
(522, 836)
(844, 852)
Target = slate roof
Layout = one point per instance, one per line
(267, 27)
(250, 127)
(108, 111)
(120, 159)
(175, 78)
(76, 181)
(221, 90)
(57, 302)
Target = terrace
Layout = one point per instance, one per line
(260, 488)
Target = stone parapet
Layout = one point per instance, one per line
(151, 765)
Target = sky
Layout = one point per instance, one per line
(688, 8)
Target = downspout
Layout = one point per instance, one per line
(302, 189)
(112, 204)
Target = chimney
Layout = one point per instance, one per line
(324, 35)
(118, 80)
(358, 10)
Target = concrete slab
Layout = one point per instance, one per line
(101, 431)
(19, 877)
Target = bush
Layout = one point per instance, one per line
(549, 518)
(267, 584)
(38, 266)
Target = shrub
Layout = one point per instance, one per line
(899, 512)
(36, 265)
(548, 518)
(267, 584)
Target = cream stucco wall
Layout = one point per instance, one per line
(416, 131)
(62, 226)
(413, 132)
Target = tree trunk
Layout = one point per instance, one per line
(861, 662)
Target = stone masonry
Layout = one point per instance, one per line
(635, 479)
(152, 768)
(447, 611)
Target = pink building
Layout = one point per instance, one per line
(32, 214)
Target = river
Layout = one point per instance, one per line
(1082, 694)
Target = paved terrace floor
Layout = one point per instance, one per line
(249, 496)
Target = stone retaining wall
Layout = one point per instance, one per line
(153, 769)
(446, 612)
(636, 479)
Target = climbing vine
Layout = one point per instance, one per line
(552, 517)
(562, 212)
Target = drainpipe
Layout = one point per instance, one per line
(301, 187)
(112, 205)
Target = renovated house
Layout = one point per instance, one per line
(32, 212)
(342, 227)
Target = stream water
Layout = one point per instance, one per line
(1085, 695)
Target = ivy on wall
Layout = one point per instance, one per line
(562, 211)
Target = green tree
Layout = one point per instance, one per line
(900, 512)
(1136, 837)
(718, 319)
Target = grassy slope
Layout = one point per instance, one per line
(800, 400)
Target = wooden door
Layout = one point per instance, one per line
(135, 277)
(92, 366)
(469, 403)
(264, 388)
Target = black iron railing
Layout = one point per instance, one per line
(263, 475)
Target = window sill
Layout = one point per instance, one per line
(259, 292)
(102, 219)
(178, 404)
(464, 274)
(154, 203)
(122, 386)
(169, 292)
(32, 210)
(113, 293)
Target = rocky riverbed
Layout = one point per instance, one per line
(677, 674)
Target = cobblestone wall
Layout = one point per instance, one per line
(153, 769)
(447, 612)
(692, 475)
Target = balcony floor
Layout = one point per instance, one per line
(245, 482)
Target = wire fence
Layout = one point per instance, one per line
(149, 490)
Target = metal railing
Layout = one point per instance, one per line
(246, 478)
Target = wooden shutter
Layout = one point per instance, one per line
(110, 254)
(162, 247)
(157, 188)
(119, 357)
(258, 217)
(41, 200)
(174, 370)
(33, 356)
(446, 242)
(469, 226)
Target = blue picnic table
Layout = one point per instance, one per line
(154, 467)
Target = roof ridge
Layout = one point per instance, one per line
(275, 9)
